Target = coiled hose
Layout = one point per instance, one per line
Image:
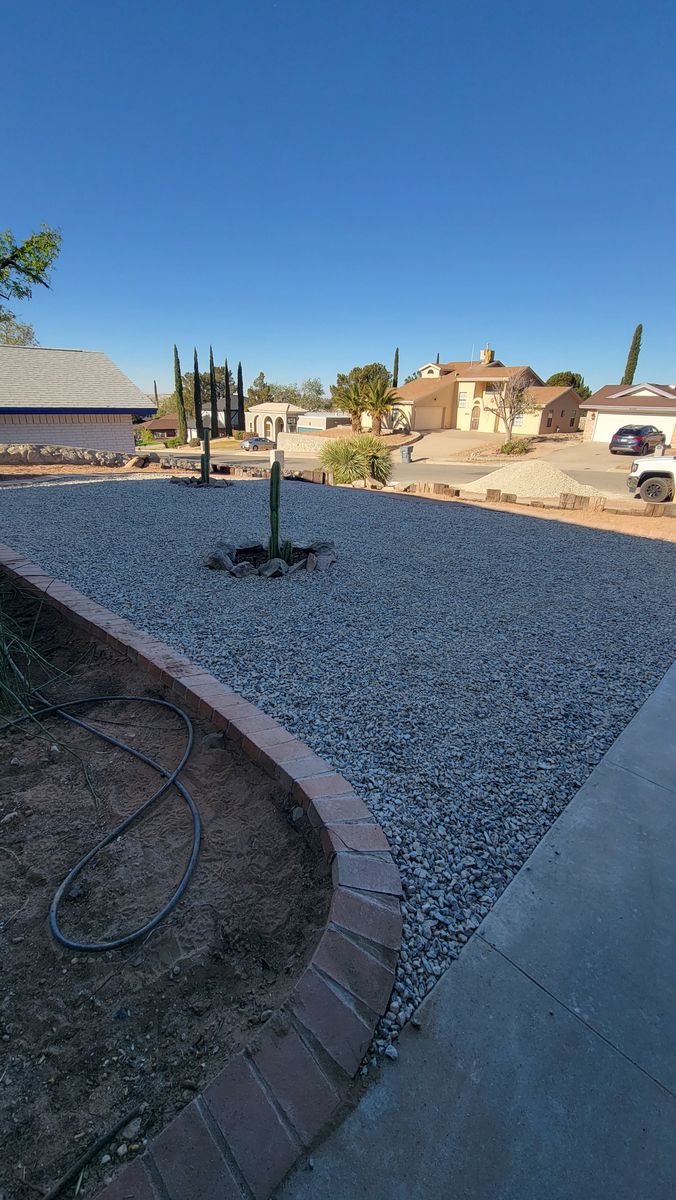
(171, 779)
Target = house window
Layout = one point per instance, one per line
(462, 399)
(572, 420)
(563, 412)
(549, 420)
(518, 420)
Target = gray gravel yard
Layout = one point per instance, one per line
(464, 669)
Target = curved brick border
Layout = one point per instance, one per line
(240, 1136)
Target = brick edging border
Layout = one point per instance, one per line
(239, 1137)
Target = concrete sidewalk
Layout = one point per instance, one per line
(546, 1062)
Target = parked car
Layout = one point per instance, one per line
(636, 439)
(656, 483)
(257, 443)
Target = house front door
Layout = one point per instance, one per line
(476, 413)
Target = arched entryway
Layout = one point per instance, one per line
(279, 427)
(267, 428)
(476, 413)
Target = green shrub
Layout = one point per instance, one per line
(516, 446)
(170, 443)
(143, 437)
(360, 457)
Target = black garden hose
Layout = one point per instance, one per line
(170, 780)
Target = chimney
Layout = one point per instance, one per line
(487, 355)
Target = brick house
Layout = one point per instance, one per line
(67, 398)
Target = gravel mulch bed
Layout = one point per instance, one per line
(464, 669)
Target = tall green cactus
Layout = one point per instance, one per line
(275, 550)
(275, 487)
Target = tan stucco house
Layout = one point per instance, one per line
(269, 420)
(67, 398)
(458, 395)
(615, 405)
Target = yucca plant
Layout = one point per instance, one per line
(355, 458)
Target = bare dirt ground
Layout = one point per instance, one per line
(85, 1037)
(21, 474)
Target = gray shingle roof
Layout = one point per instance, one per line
(35, 379)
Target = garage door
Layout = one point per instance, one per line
(428, 418)
(608, 423)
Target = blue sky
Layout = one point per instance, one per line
(309, 183)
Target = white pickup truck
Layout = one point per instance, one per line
(654, 482)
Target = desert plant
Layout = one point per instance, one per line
(275, 549)
(516, 446)
(352, 402)
(195, 441)
(172, 442)
(143, 437)
(354, 458)
(378, 400)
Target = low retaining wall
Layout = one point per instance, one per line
(301, 443)
(239, 1137)
(566, 500)
(24, 454)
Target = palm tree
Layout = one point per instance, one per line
(351, 402)
(378, 400)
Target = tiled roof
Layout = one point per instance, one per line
(427, 386)
(619, 395)
(35, 379)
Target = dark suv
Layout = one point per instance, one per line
(636, 439)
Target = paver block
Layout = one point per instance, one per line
(133, 1183)
(262, 1147)
(362, 914)
(360, 973)
(353, 837)
(334, 809)
(369, 872)
(342, 1032)
(300, 1086)
(190, 1163)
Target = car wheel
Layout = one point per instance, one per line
(612, 451)
(656, 490)
(645, 449)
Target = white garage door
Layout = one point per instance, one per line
(428, 418)
(608, 423)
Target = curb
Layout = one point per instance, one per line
(240, 1136)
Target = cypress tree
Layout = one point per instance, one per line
(240, 398)
(228, 402)
(157, 399)
(181, 423)
(395, 369)
(197, 396)
(437, 358)
(632, 357)
(213, 395)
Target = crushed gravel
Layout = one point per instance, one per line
(536, 479)
(464, 669)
